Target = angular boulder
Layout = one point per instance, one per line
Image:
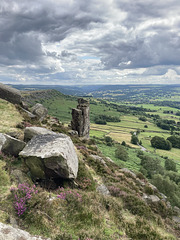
(40, 111)
(8, 232)
(30, 132)
(10, 94)
(10, 145)
(51, 156)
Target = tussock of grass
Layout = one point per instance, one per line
(9, 117)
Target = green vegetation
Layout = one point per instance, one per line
(76, 210)
(161, 143)
(121, 153)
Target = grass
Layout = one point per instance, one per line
(132, 163)
(9, 117)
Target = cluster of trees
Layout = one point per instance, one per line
(166, 144)
(175, 141)
(166, 124)
(165, 178)
(172, 104)
(143, 118)
(161, 143)
(103, 119)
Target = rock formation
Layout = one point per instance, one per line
(40, 111)
(10, 145)
(51, 156)
(10, 94)
(80, 118)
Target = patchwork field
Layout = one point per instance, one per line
(121, 131)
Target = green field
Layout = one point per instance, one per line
(60, 106)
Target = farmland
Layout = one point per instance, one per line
(60, 106)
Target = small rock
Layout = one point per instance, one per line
(176, 219)
(19, 177)
(103, 190)
(109, 159)
(98, 158)
(164, 198)
(177, 210)
(73, 132)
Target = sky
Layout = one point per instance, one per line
(79, 42)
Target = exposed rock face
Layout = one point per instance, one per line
(99, 159)
(151, 198)
(40, 111)
(9, 233)
(10, 145)
(51, 156)
(10, 94)
(30, 132)
(80, 118)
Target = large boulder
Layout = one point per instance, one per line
(8, 232)
(10, 94)
(30, 132)
(51, 156)
(10, 145)
(40, 111)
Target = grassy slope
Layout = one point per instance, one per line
(60, 105)
(9, 117)
(122, 215)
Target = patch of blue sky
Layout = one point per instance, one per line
(89, 57)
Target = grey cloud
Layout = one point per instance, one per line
(124, 34)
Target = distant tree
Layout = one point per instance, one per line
(134, 139)
(108, 140)
(142, 118)
(121, 153)
(145, 126)
(123, 143)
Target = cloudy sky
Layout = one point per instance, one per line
(89, 42)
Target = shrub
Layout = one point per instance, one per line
(121, 153)
(170, 165)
